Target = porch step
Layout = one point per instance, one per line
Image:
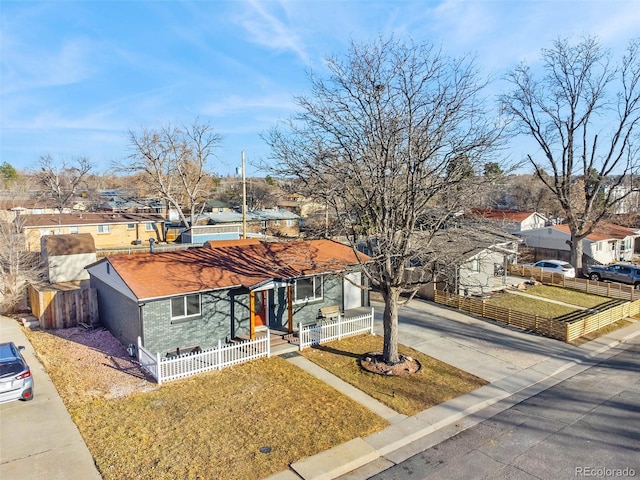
(283, 349)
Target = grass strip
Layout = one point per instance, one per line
(437, 382)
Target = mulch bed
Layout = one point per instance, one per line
(373, 362)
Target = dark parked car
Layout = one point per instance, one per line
(618, 272)
(16, 382)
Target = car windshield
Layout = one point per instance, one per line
(10, 368)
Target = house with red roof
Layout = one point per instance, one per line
(511, 221)
(608, 243)
(224, 290)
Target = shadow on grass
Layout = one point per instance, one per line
(335, 351)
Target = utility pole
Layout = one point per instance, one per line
(244, 200)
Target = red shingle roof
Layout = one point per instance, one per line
(507, 215)
(604, 231)
(243, 264)
(51, 220)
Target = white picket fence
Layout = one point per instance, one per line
(336, 330)
(164, 369)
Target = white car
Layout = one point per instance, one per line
(557, 266)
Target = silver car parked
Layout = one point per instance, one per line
(16, 382)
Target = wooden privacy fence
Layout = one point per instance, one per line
(605, 289)
(63, 308)
(525, 321)
(164, 369)
(567, 331)
(327, 331)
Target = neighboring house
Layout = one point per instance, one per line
(108, 230)
(217, 206)
(608, 243)
(512, 221)
(228, 225)
(301, 205)
(197, 297)
(66, 256)
(469, 259)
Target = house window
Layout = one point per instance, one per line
(474, 265)
(148, 227)
(73, 229)
(308, 289)
(598, 246)
(291, 223)
(103, 228)
(185, 307)
(276, 223)
(131, 226)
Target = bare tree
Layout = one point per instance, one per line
(394, 131)
(172, 162)
(583, 113)
(18, 267)
(61, 181)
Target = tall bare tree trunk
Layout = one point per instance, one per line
(391, 305)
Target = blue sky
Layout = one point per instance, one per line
(76, 76)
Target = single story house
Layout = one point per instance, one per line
(470, 259)
(224, 290)
(608, 243)
(109, 230)
(228, 225)
(512, 221)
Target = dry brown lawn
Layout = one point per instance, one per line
(208, 426)
(572, 297)
(437, 382)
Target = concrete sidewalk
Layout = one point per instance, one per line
(518, 365)
(38, 439)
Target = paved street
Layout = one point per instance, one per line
(586, 426)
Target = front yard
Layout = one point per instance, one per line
(244, 422)
(208, 426)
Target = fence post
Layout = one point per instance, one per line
(339, 327)
(300, 335)
(483, 308)
(372, 313)
(268, 343)
(139, 345)
(158, 369)
(219, 355)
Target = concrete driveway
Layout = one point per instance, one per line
(484, 348)
(38, 439)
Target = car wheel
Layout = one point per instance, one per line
(595, 276)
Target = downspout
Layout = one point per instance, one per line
(290, 307)
(252, 322)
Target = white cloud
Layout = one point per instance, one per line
(267, 29)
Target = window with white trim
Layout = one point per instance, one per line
(185, 307)
(131, 226)
(474, 265)
(291, 223)
(307, 289)
(73, 230)
(103, 228)
(148, 227)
